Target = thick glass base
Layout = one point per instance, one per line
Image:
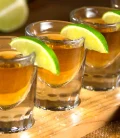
(91, 88)
(56, 105)
(100, 83)
(17, 126)
(58, 99)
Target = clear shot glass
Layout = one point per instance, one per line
(17, 88)
(59, 92)
(102, 70)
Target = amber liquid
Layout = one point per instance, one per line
(70, 59)
(15, 80)
(112, 35)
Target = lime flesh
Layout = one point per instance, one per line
(111, 16)
(13, 14)
(94, 40)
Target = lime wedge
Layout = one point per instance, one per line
(45, 56)
(111, 16)
(13, 14)
(94, 40)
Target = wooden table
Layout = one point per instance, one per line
(97, 109)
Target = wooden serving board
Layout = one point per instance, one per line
(95, 111)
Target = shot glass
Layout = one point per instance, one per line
(115, 4)
(59, 92)
(17, 88)
(102, 71)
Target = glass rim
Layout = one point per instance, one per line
(68, 41)
(52, 21)
(72, 13)
(17, 59)
(79, 41)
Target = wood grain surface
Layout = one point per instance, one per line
(95, 111)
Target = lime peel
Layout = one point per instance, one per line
(45, 56)
(94, 40)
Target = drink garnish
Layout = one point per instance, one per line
(94, 40)
(111, 16)
(45, 56)
(13, 14)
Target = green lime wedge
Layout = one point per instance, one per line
(94, 40)
(111, 16)
(13, 14)
(45, 56)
